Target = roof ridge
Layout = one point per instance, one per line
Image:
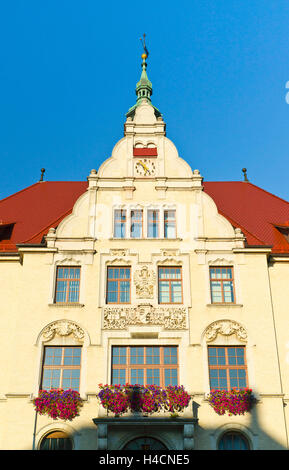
(252, 184)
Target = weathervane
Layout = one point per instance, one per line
(146, 52)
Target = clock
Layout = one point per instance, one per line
(144, 167)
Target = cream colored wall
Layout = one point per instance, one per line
(85, 238)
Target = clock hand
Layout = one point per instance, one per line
(144, 167)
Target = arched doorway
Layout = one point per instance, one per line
(145, 443)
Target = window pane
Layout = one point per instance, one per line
(119, 355)
(153, 355)
(176, 292)
(169, 224)
(118, 377)
(233, 441)
(137, 376)
(153, 224)
(171, 377)
(153, 377)
(216, 291)
(137, 355)
(136, 224)
(170, 355)
(228, 291)
(119, 223)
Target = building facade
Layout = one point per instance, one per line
(144, 274)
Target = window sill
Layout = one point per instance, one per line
(65, 305)
(225, 305)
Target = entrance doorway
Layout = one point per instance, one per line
(144, 443)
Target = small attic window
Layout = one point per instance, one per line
(285, 231)
(6, 231)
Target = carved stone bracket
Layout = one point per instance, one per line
(226, 328)
(119, 318)
(63, 328)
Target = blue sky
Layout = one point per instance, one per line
(68, 71)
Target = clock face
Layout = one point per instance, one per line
(144, 167)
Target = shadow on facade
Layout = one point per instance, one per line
(172, 433)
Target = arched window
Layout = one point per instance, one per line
(233, 441)
(56, 440)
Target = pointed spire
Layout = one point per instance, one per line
(144, 88)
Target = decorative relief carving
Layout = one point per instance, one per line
(63, 328)
(119, 318)
(221, 262)
(169, 252)
(118, 252)
(144, 280)
(70, 259)
(226, 328)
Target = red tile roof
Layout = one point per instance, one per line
(43, 205)
(255, 211)
(37, 208)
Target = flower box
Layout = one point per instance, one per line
(58, 403)
(233, 402)
(145, 399)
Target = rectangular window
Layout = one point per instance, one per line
(170, 224)
(170, 285)
(136, 224)
(145, 365)
(153, 223)
(222, 285)
(67, 284)
(61, 367)
(118, 285)
(227, 367)
(119, 223)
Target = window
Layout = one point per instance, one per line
(153, 224)
(233, 441)
(136, 224)
(222, 285)
(119, 223)
(170, 285)
(118, 285)
(56, 440)
(61, 367)
(170, 224)
(67, 284)
(139, 223)
(227, 367)
(145, 365)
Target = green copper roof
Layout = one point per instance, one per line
(143, 91)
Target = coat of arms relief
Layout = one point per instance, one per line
(170, 318)
(145, 280)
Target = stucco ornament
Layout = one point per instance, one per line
(63, 328)
(144, 280)
(225, 328)
(119, 318)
